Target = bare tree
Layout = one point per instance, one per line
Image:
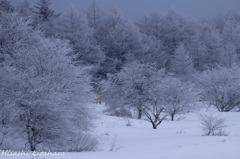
(154, 113)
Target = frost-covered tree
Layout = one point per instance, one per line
(152, 52)
(94, 15)
(43, 9)
(209, 47)
(23, 8)
(154, 108)
(46, 94)
(151, 25)
(44, 17)
(176, 96)
(231, 29)
(119, 39)
(131, 87)
(14, 34)
(169, 30)
(221, 87)
(73, 26)
(229, 56)
(181, 62)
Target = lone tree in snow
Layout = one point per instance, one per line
(177, 96)
(131, 86)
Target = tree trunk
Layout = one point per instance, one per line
(31, 138)
(172, 117)
(32, 147)
(154, 125)
(139, 113)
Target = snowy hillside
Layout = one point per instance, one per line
(182, 139)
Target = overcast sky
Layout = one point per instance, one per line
(137, 8)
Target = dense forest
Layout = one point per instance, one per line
(52, 65)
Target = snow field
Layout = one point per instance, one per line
(181, 139)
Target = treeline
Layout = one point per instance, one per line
(53, 64)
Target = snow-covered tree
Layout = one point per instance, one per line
(169, 30)
(181, 62)
(94, 15)
(221, 87)
(48, 96)
(209, 47)
(231, 29)
(154, 108)
(153, 52)
(168, 96)
(151, 25)
(73, 26)
(23, 8)
(229, 56)
(176, 96)
(43, 9)
(44, 17)
(119, 39)
(14, 34)
(131, 86)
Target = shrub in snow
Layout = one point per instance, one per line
(84, 142)
(127, 121)
(113, 147)
(213, 125)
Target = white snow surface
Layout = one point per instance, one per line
(180, 139)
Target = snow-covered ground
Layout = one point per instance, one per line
(181, 139)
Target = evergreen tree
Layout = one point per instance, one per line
(181, 62)
(73, 26)
(23, 8)
(44, 11)
(120, 40)
(94, 15)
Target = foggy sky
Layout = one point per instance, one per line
(137, 8)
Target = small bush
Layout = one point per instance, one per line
(213, 125)
(128, 122)
(84, 143)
